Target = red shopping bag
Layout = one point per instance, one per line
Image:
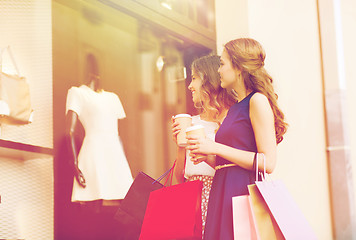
(174, 212)
(243, 220)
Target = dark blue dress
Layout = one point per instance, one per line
(235, 131)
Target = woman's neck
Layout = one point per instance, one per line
(241, 89)
(242, 93)
(208, 117)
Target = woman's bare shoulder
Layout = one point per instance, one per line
(259, 102)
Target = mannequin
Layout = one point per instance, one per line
(101, 172)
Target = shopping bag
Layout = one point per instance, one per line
(285, 211)
(15, 102)
(131, 212)
(243, 220)
(273, 200)
(174, 212)
(267, 228)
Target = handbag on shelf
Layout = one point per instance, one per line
(131, 211)
(15, 101)
(174, 212)
(275, 211)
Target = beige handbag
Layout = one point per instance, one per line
(15, 101)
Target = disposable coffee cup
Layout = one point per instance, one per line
(185, 121)
(196, 131)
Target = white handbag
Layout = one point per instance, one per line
(15, 101)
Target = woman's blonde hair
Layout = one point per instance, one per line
(248, 56)
(214, 98)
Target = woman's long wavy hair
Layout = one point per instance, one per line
(213, 98)
(248, 56)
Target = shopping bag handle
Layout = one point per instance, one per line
(12, 59)
(263, 175)
(169, 172)
(170, 175)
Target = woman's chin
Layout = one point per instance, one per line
(226, 84)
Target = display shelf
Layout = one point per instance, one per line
(21, 151)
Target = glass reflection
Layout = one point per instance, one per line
(145, 66)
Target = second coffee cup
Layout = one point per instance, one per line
(196, 131)
(185, 121)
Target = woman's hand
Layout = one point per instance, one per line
(175, 130)
(200, 146)
(196, 160)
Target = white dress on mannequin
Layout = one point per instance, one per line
(101, 158)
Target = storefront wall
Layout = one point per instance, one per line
(348, 23)
(289, 33)
(26, 178)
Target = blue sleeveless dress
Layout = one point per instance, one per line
(235, 131)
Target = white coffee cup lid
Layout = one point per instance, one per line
(182, 115)
(194, 127)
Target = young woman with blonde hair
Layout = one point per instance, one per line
(254, 124)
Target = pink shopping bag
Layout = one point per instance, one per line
(243, 220)
(266, 226)
(285, 211)
(286, 217)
